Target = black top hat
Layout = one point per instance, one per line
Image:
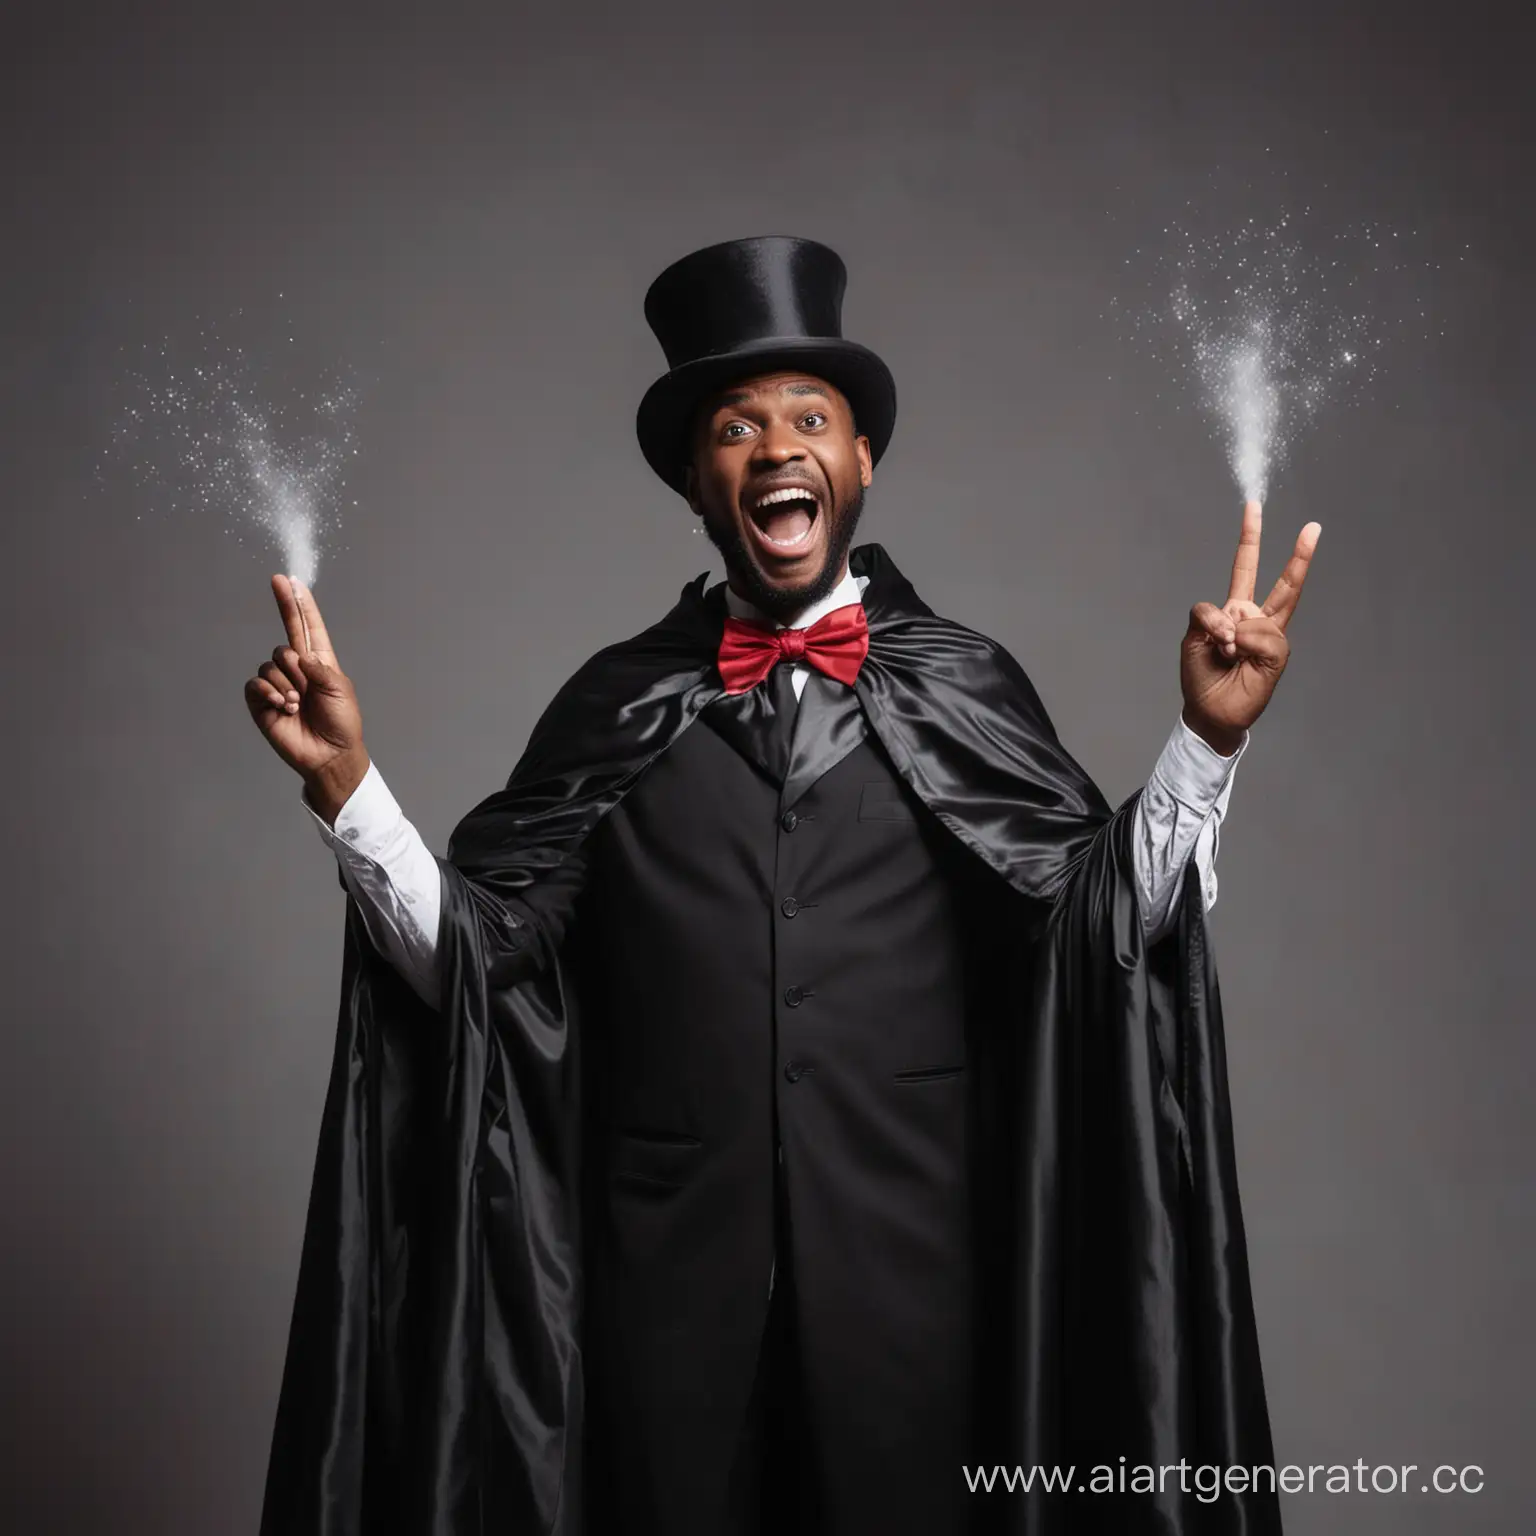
(753, 306)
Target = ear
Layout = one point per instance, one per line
(691, 491)
(866, 461)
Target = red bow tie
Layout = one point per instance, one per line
(836, 644)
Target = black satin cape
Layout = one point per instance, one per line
(433, 1380)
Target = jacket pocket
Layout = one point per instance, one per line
(653, 1159)
(881, 800)
(928, 1074)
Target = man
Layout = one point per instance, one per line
(798, 1085)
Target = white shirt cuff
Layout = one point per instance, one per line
(1193, 771)
(367, 824)
(393, 877)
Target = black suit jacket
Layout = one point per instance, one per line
(790, 988)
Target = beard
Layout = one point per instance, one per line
(783, 603)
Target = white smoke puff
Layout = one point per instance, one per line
(282, 501)
(1241, 385)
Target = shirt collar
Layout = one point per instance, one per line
(849, 590)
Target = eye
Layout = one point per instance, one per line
(731, 426)
(817, 416)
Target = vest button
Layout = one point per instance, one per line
(789, 821)
(794, 996)
(789, 906)
(795, 1070)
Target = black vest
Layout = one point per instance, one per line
(789, 972)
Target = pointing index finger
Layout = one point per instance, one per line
(288, 607)
(319, 641)
(1245, 567)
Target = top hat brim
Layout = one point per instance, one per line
(666, 415)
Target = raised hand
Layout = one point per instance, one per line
(305, 705)
(1232, 656)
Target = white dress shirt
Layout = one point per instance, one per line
(397, 885)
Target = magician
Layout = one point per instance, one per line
(799, 1085)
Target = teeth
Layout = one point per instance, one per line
(793, 493)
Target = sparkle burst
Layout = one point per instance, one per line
(199, 434)
(1267, 325)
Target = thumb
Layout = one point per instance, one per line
(1208, 622)
(318, 675)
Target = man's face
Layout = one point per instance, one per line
(778, 477)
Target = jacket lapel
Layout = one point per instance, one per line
(828, 726)
(749, 722)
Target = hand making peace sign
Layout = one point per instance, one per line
(1232, 656)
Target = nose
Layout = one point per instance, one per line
(778, 444)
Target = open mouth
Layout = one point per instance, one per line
(784, 520)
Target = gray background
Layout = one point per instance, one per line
(468, 206)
